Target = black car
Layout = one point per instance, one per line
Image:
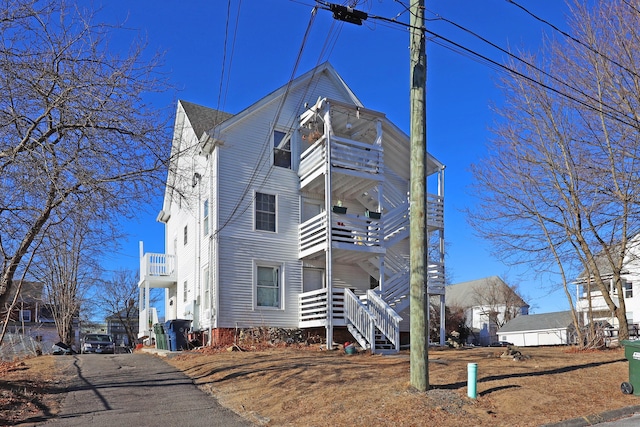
(500, 344)
(97, 343)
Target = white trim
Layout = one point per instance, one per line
(281, 284)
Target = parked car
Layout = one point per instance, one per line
(500, 344)
(97, 343)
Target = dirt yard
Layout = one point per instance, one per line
(309, 387)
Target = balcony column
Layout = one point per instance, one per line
(328, 132)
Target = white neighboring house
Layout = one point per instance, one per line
(488, 303)
(255, 228)
(588, 298)
(539, 329)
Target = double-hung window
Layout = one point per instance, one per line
(281, 149)
(628, 290)
(268, 286)
(265, 212)
(205, 217)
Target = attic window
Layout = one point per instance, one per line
(281, 149)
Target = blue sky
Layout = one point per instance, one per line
(373, 59)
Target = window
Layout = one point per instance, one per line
(281, 149)
(205, 217)
(265, 212)
(25, 315)
(185, 292)
(185, 235)
(207, 290)
(268, 287)
(628, 290)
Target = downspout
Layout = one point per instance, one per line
(443, 320)
(327, 203)
(213, 248)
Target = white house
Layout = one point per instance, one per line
(487, 304)
(589, 298)
(293, 213)
(539, 329)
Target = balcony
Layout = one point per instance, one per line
(354, 165)
(158, 270)
(348, 232)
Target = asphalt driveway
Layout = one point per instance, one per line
(136, 390)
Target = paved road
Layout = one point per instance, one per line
(136, 390)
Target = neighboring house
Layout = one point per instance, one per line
(589, 298)
(293, 213)
(488, 304)
(117, 325)
(540, 329)
(31, 316)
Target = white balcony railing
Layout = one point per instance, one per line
(348, 231)
(346, 154)
(314, 305)
(158, 265)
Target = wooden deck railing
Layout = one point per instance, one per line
(357, 314)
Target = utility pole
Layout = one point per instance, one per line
(419, 368)
(418, 222)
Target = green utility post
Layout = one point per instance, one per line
(417, 243)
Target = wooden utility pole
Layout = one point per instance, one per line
(418, 223)
(418, 280)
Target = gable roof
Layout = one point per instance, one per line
(539, 322)
(465, 294)
(203, 118)
(303, 79)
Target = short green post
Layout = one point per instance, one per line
(472, 377)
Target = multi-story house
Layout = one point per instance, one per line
(488, 304)
(293, 213)
(590, 303)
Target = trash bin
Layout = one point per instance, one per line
(177, 330)
(161, 338)
(632, 353)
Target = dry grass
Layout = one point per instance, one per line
(307, 387)
(299, 387)
(30, 390)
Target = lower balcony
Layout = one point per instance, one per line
(157, 270)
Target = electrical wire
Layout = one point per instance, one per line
(264, 157)
(530, 65)
(570, 37)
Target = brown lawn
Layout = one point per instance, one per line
(309, 387)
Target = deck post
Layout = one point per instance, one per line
(327, 203)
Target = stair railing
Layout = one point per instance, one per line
(385, 318)
(356, 313)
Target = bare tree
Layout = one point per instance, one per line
(117, 297)
(498, 301)
(75, 131)
(67, 264)
(559, 187)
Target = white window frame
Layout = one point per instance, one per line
(26, 318)
(185, 292)
(207, 288)
(279, 268)
(280, 138)
(205, 216)
(185, 235)
(628, 289)
(274, 213)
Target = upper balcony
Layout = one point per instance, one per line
(158, 270)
